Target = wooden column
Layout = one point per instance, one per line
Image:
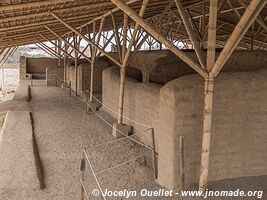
(206, 137)
(76, 64)
(69, 44)
(125, 63)
(94, 58)
(86, 39)
(65, 61)
(162, 39)
(59, 52)
(191, 33)
(208, 95)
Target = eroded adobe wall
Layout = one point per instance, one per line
(163, 66)
(39, 65)
(239, 123)
(84, 74)
(238, 129)
(141, 102)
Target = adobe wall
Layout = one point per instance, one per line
(239, 126)
(51, 73)
(239, 122)
(84, 72)
(39, 65)
(163, 66)
(22, 68)
(141, 102)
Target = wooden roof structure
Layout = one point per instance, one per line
(22, 21)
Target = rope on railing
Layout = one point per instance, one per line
(151, 148)
(84, 155)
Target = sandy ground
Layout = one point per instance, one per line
(62, 130)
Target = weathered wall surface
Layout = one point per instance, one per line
(52, 73)
(83, 74)
(238, 129)
(163, 66)
(22, 68)
(239, 122)
(141, 101)
(39, 65)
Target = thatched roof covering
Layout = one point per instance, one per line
(22, 21)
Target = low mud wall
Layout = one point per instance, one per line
(84, 74)
(141, 102)
(39, 65)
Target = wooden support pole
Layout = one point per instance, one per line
(125, 63)
(58, 47)
(86, 39)
(208, 95)
(117, 37)
(152, 31)
(5, 54)
(212, 29)
(251, 13)
(49, 53)
(182, 163)
(47, 48)
(69, 44)
(258, 20)
(94, 59)
(206, 137)
(65, 61)
(76, 63)
(191, 33)
(125, 29)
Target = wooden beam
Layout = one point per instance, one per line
(212, 29)
(46, 51)
(86, 39)
(94, 59)
(125, 30)
(48, 48)
(33, 4)
(72, 46)
(251, 13)
(108, 13)
(66, 47)
(56, 45)
(77, 46)
(125, 63)
(117, 37)
(152, 31)
(258, 20)
(208, 95)
(191, 33)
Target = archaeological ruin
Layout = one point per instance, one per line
(134, 94)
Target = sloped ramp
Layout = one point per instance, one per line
(20, 166)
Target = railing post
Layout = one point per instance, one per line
(31, 80)
(87, 98)
(154, 157)
(82, 169)
(70, 89)
(182, 169)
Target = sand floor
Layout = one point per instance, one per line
(62, 130)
